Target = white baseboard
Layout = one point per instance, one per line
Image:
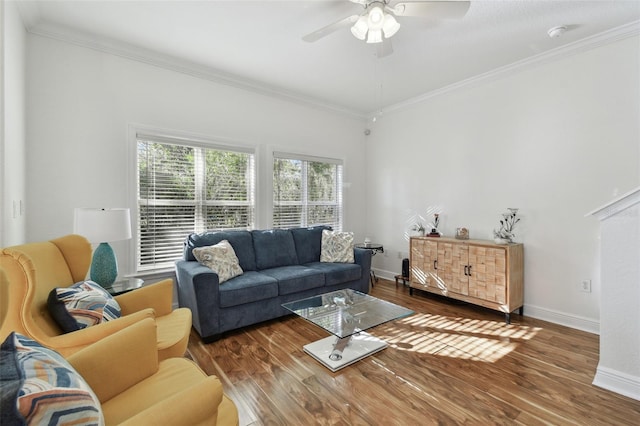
(617, 382)
(573, 321)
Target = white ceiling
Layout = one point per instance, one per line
(258, 43)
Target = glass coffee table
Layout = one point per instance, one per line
(345, 314)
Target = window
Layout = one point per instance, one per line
(307, 191)
(186, 187)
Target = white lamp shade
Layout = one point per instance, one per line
(375, 36)
(103, 225)
(360, 28)
(391, 26)
(376, 18)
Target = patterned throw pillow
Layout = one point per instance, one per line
(82, 305)
(337, 247)
(39, 387)
(221, 259)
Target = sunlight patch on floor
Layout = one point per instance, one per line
(464, 338)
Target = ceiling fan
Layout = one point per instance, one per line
(377, 23)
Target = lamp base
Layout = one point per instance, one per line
(104, 267)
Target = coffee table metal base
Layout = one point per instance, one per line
(358, 346)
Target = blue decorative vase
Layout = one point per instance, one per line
(104, 267)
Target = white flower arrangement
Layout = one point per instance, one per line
(507, 224)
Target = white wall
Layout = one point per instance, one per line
(619, 365)
(81, 102)
(555, 141)
(13, 169)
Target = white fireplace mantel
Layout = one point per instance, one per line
(619, 365)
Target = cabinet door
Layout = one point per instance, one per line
(423, 255)
(452, 263)
(488, 274)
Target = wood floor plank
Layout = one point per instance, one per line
(448, 363)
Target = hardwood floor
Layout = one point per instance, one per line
(449, 363)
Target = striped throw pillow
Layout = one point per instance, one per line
(39, 387)
(82, 305)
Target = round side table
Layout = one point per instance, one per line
(375, 249)
(124, 285)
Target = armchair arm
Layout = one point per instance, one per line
(127, 357)
(197, 405)
(158, 296)
(69, 343)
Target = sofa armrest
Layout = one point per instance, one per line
(158, 296)
(196, 405)
(69, 343)
(124, 358)
(198, 290)
(363, 258)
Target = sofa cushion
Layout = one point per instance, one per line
(40, 387)
(293, 279)
(220, 258)
(337, 247)
(337, 273)
(308, 242)
(273, 248)
(248, 287)
(82, 305)
(241, 242)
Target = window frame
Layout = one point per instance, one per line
(304, 202)
(188, 140)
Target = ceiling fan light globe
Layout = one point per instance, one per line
(360, 28)
(391, 26)
(375, 18)
(375, 36)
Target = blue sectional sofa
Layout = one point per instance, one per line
(279, 266)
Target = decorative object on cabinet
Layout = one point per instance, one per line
(462, 233)
(419, 227)
(436, 222)
(475, 271)
(505, 235)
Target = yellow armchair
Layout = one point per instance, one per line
(32, 270)
(135, 389)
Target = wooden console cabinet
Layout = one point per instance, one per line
(475, 271)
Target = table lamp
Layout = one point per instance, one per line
(103, 226)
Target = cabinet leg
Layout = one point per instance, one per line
(410, 291)
(521, 310)
(507, 317)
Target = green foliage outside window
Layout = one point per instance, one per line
(184, 189)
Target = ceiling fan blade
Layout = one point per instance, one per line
(384, 49)
(325, 31)
(450, 9)
(362, 2)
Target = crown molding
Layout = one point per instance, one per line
(193, 69)
(606, 37)
(208, 73)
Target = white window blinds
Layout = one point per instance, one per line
(185, 187)
(307, 191)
